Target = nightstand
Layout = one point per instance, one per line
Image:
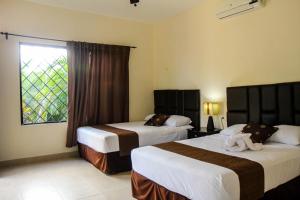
(201, 133)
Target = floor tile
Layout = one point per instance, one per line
(67, 179)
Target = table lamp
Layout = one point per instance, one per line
(211, 109)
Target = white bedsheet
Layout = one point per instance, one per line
(106, 142)
(199, 180)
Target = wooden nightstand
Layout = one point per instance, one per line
(201, 133)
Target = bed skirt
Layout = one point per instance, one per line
(108, 163)
(145, 189)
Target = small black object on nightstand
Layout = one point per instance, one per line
(202, 132)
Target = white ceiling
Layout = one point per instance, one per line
(147, 10)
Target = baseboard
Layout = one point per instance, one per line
(23, 161)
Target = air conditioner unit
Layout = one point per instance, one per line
(233, 7)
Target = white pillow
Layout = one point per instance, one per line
(286, 134)
(178, 120)
(149, 117)
(232, 130)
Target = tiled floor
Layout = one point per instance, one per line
(68, 179)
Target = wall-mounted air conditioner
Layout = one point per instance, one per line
(233, 7)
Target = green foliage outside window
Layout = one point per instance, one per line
(44, 83)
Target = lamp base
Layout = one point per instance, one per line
(210, 124)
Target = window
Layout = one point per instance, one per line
(44, 83)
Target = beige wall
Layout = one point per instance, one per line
(197, 50)
(18, 141)
(191, 50)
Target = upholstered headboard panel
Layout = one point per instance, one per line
(179, 102)
(269, 104)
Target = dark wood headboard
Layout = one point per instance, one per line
(269, 104)
(179, 102)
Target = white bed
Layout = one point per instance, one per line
(199, 180)
(107, 142)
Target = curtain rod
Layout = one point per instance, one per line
(6, 34)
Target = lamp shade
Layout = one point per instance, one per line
(211, 108)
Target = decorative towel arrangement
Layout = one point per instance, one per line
(241, 142)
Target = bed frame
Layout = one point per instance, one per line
(269, 104)
(179, 102)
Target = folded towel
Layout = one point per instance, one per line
(241, 142)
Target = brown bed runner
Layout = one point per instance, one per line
(128, 140)
(250, 173)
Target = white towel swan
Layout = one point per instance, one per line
(241, 142)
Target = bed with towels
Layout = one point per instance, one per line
(256, 157)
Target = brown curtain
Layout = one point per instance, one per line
(98, 86)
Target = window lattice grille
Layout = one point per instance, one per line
(44, 83)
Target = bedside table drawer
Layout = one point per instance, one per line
(193, 135)
(201, 133)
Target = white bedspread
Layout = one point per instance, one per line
(106, 142)
(199, 180)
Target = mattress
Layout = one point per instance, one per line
(199, 180)
(107, 142)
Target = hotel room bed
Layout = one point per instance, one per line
(102, 148)
(189, 178)
(108, 147)
(197, 171)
